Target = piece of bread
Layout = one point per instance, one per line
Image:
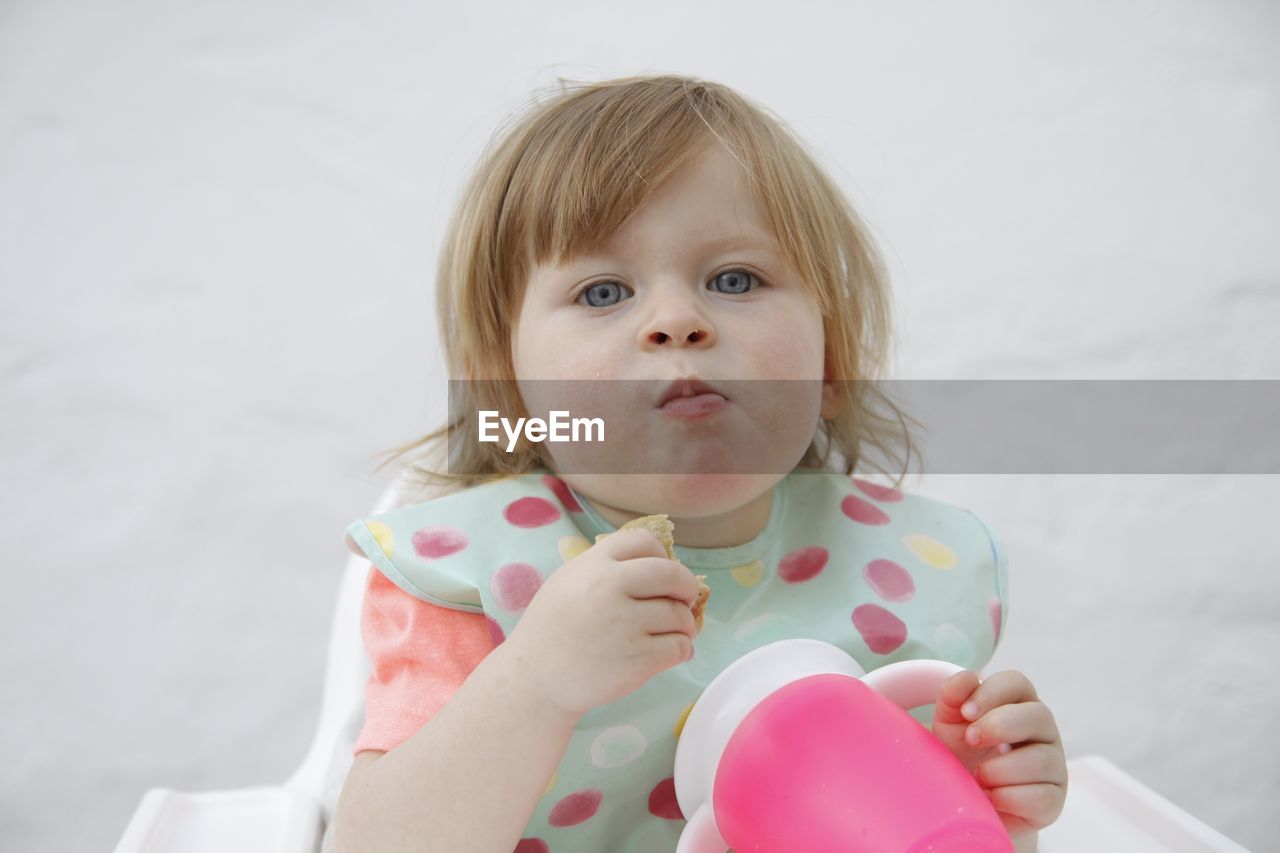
(664, 531)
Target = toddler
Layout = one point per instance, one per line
(667, 236)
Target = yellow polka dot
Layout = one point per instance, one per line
(933, 552)
(748, 575)
(684, 715)
(383, 536)
(552, 783)
(571, 546)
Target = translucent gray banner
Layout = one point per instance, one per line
(955, 426)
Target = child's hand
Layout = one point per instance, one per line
(1007, 737)
(605, 622)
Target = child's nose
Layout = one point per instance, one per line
(690, 338)
(677, 320)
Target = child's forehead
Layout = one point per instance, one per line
(710, 195)
(716, 242)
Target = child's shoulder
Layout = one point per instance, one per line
(523, 501)
(440, 549)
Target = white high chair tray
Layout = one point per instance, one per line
(246, 820)
(1107, 809)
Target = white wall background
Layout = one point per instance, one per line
(218, 227)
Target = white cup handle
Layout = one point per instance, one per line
(701, 835)
(911, 683)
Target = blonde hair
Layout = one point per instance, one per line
(565, 176)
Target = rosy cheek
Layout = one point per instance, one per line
(561, 356)
(788, 356)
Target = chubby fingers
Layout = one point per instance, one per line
(1031, 764)
(1003, 688)
(1029, 783)
(1034, 806)
(658, 577)
(953, 693)
(1005, 710)
(1025, 722)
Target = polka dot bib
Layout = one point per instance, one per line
(883, 574)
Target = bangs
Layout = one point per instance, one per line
(590, 164)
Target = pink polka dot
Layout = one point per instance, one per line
(887, 494)
(514, 585)
(531, 845)
(662, 800)
(881, 630)
(432, 543)
(496, 633)
(561, 489)
(890, 581)
(531, 512)
(575, 808)
(861, 511)
(802, 564)
(993, 607)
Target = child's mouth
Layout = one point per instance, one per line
(697, 406)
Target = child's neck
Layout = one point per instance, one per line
(712, 531)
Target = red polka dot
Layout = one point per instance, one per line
(495, 631)
(888, 494)
(532, 845)
(531, 512)
(802, 564)
(561, 489)
(662, 800)
(514, 585)
(861, 511)
(575, 808)
(881, 630)
(993, 607)
(890, 581)
(432, 543)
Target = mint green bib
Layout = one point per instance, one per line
(882, 574)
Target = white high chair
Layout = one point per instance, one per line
(291, 817)
(1106, 808)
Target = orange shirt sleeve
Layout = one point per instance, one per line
(420, 652)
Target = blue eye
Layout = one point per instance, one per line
(602, 294)
(737, 281)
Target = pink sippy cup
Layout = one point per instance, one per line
(794, 749)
